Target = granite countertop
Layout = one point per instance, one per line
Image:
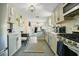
(73, 36)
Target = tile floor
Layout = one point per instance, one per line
(47, 51)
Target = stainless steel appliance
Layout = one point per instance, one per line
(3, 42)
(3, 30)
(61, 29)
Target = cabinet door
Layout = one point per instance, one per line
(54, 44)
(53, 21)
(59, 13)
(46, 37)
(61, 17)
(56, 15)
(52, 41)
(18, 42)
(12, 44)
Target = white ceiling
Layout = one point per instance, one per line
(43, 10)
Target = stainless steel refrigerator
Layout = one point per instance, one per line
(3, 30)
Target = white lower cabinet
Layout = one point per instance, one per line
(53, 44)
(18, 42)
(14, 43)
(46, 37)
(52, 41)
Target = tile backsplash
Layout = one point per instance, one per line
(70, 24)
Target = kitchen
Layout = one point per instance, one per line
(57, 23)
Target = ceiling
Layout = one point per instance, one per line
(42, 10)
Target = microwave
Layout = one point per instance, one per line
(61, 29)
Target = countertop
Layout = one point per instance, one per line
(13, 33)
(68, 36)
(74, 36)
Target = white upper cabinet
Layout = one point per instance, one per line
(58, 14)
